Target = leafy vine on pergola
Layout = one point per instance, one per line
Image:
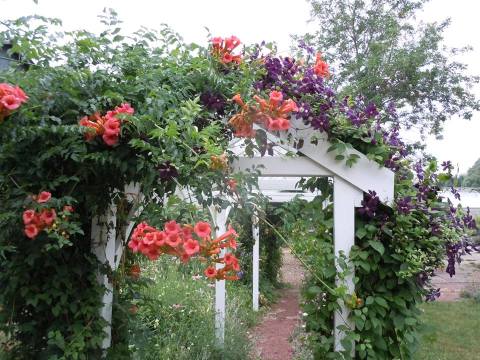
(96, 114)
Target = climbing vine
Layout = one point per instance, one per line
(92, 114)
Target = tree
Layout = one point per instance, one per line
(472, 178)
(381, 52)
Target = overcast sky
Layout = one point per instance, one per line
(271, 20)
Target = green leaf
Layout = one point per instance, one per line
(378, 246)
(381, 301)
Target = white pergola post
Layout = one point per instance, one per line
(220, 218)
(104, 248)
(345, 198)
(255, 263)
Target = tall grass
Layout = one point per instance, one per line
(176, 320)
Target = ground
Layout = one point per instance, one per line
(272, 336)
(448, 333)
(465, 281)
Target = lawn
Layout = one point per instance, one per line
(450, 331)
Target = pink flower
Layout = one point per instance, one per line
(149, 239)
(68, 208)
(191, 247)
(236, 265)
(231, 43)
(48, 216)
(274, 124)
(172, 227)
(160, 238)
(20, 94)
(110, 139)
(233, 243)
(153, 254)
(134, 245)
(28, 216)
(210, 272)
(173, 239)
(31, 231)
(202, 229)
(186, 232)
(288, 106)
(284, 124)
(227, 58)
(43, 197)
(10, 102)
(276, 97)
(112, 126)
(229, 258)
(125, 108)
(217, 41)
(184, 258)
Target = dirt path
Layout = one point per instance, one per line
(272, 336)
(466, 279)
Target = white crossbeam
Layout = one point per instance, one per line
(281, 166)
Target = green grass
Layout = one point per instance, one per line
(450, 331)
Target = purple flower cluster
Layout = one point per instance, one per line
(468, 220)
(447, 166)
(213, 101)
(432, 295)
(167, 171)
(404, 205)
(320, 122)
(369, 204)
(453, 256)
(358, 113)
(455, 252)
(455, 193)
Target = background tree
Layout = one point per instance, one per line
(472, 178)
(379, 50)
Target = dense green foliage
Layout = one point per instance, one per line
(394, 256)
(48, 291)
(382, 52)
(175, 140)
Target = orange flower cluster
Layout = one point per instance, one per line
(10, 99)
(107, 126)
(36, 221)
(273, 113)
(186, 242)
(218, 162)
(222, 49)
(321, 67)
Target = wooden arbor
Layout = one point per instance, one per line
(349, 184)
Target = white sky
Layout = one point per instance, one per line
(271, 20)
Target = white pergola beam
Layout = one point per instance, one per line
(255, 263)
(103, 246)
(220, 217)
(279, 166)
(365, 174)
(345, 198)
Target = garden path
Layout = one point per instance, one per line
(272, 336)
(466, 280)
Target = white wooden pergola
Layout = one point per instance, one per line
(312, 160)
(349, 184)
